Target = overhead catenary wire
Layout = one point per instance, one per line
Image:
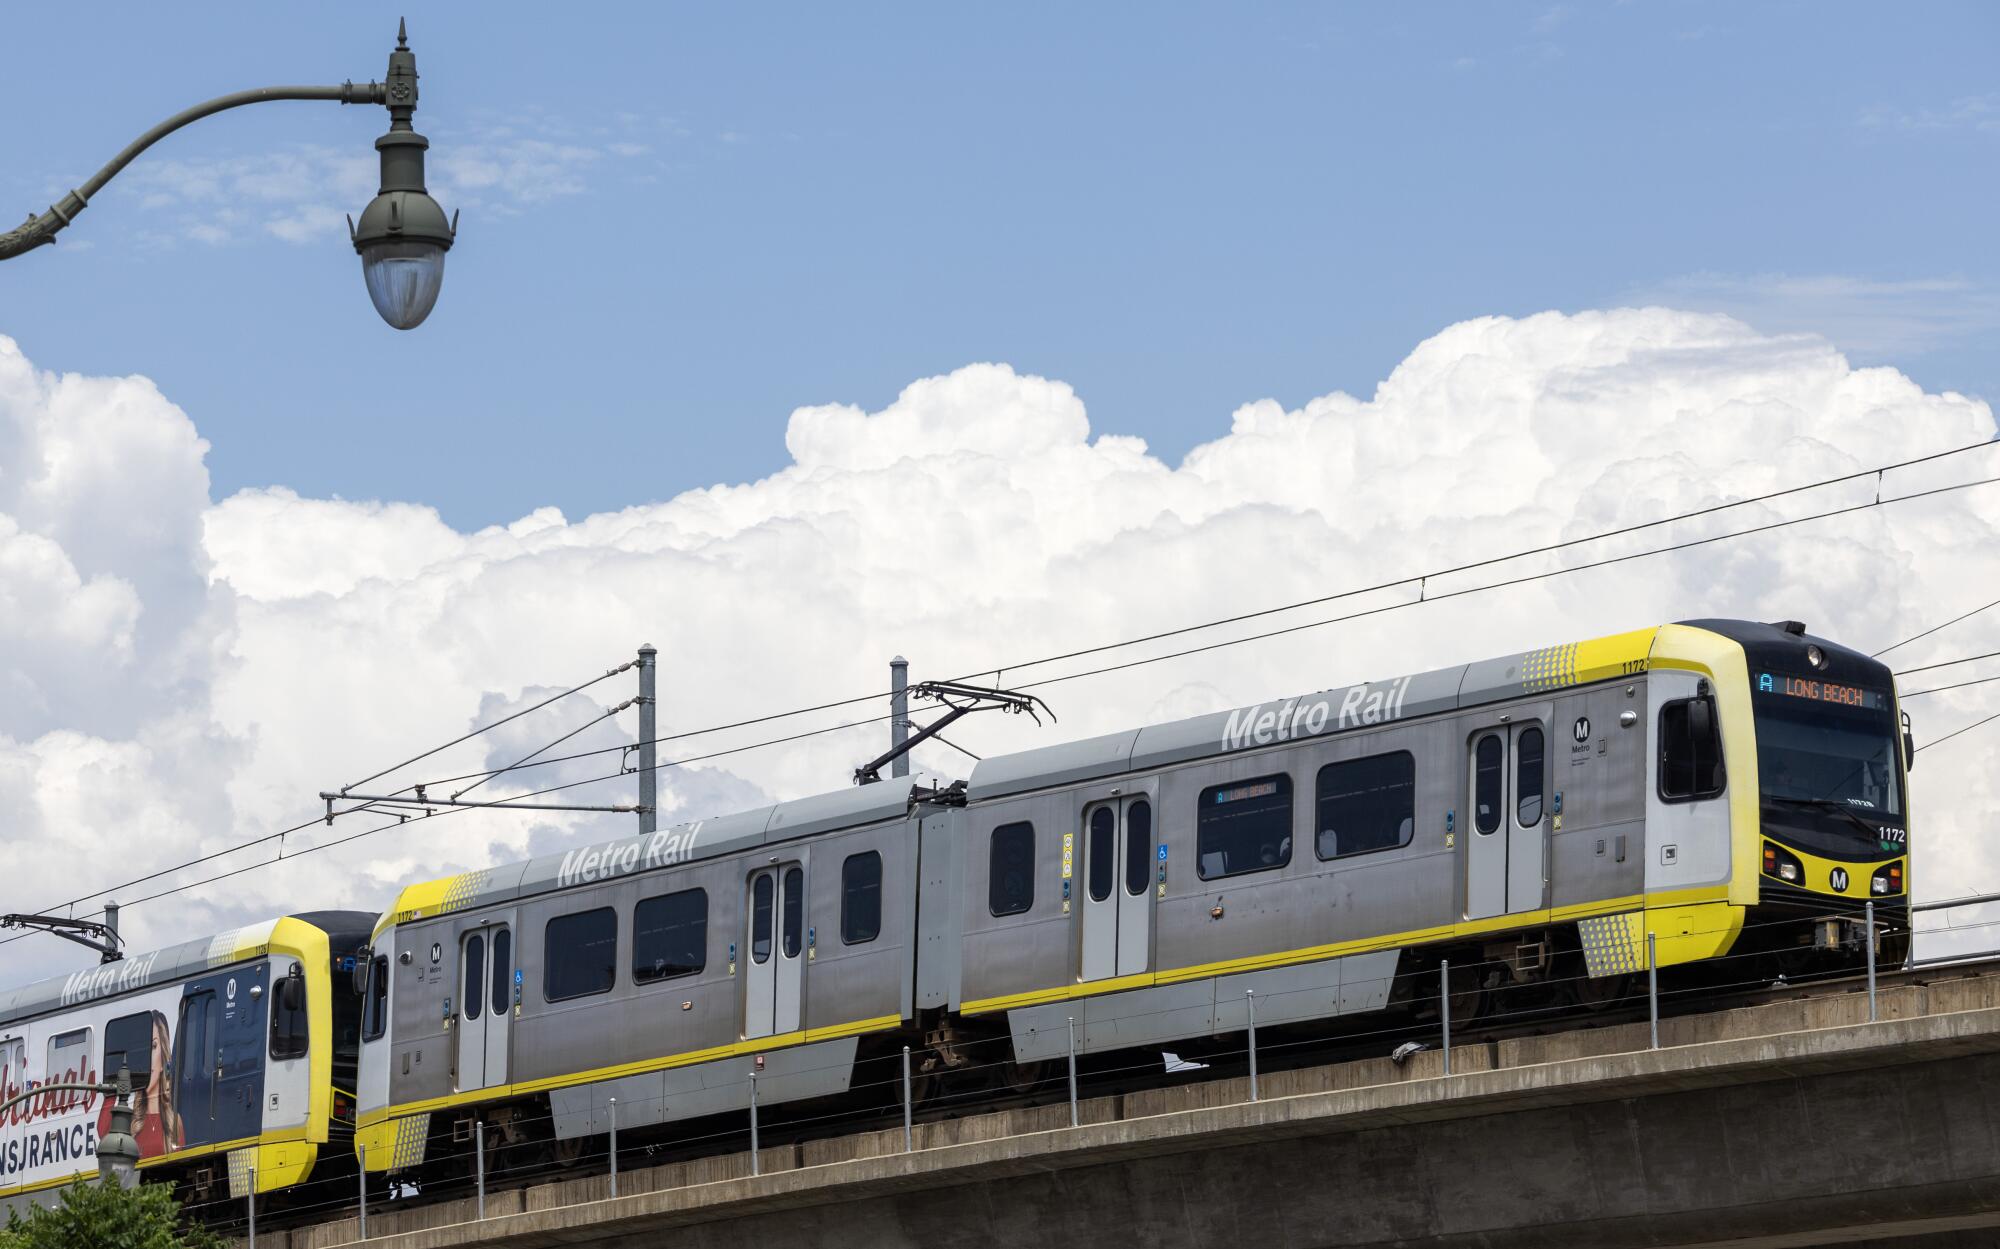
(1935, 628)
(1418, 580)
(1959, 685)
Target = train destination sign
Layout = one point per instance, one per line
(1820, 691)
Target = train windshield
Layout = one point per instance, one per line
(1827, 765)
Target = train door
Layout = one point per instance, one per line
(1117, 887)
(1505, 862)
(197, 1070)
(485, 1005)
(775, 980)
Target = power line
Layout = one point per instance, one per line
(1927, 632)
(1418, 580)
(1949, 663)
(1955, 732)
(1939, 689)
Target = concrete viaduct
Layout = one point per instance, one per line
(1794, 1123)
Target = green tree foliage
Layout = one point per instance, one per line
(102, 1216)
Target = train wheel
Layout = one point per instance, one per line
(1469, 999)
(1024, 1077)
(1599, 992)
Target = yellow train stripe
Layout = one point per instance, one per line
(756, 1045)
(1363, 945)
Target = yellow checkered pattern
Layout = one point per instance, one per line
(241, 1163)
(1612, 944)
(411, 1133)
(464, 888)
(1549, 669)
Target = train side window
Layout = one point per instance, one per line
(1010, 875)
(289, 1033)
(69, 1057)
(1528, 748)
(1690, 750)
(670, 936)
(1366, 804)
(1487, 769)
(1101, 857)
(861, 897)
(128, 1043)
(375, 1010)
(580, 954)
(1244, 826)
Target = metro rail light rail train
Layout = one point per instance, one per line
(1712, 790)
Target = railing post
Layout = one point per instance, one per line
(614, 1147)
(479, 1161)
(906, 1099)
(364, 1191)
(756, 1150)
(1870, 912)
(1653, 984)
(1250, 1008)
(253, 1208)
(1072, 1071)
(1444, 1007)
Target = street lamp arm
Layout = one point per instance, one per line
(39, 230)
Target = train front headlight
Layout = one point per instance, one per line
(1783, 865)
(1887, 880)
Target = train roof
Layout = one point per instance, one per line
(163, 966)
(1339, 709)
(683, 843)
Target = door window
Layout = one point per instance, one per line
(760, 917)
(1138, 846)
(475, 975)
(1103, 852)
(1486, 782)
(503, 969)
(795, 911)
(1528, 776)
(1690, 750)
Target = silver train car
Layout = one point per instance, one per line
(241, 1049)
(1706, 790)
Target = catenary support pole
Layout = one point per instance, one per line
(479, 1161)
(1444, 1008)
(899, 712)
(1250, 1010)
(614, 1147)
(253, 1208)
(756, 1149)
(1653, 984)
(906, 1099)
(1072, 1071)
(1870, 935)
(649, 731)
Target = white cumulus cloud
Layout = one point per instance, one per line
(181, 673)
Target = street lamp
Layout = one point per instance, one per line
(403, 234)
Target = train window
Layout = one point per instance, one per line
(1102, 855)
(1010, 869)
(1690, 750)
(69, 1057)
(795, 911)
(670, 936)
(1528, 777)
(128, 1044)
(503, 969)
(475, 976)
(289, 1034)
(1487, 775)
(1244, 826)
(1138, 846)
(375, 1011)
(580, 954)
(861, 897)
(761, 891)
(1366, 804)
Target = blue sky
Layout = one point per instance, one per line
(682, 223)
